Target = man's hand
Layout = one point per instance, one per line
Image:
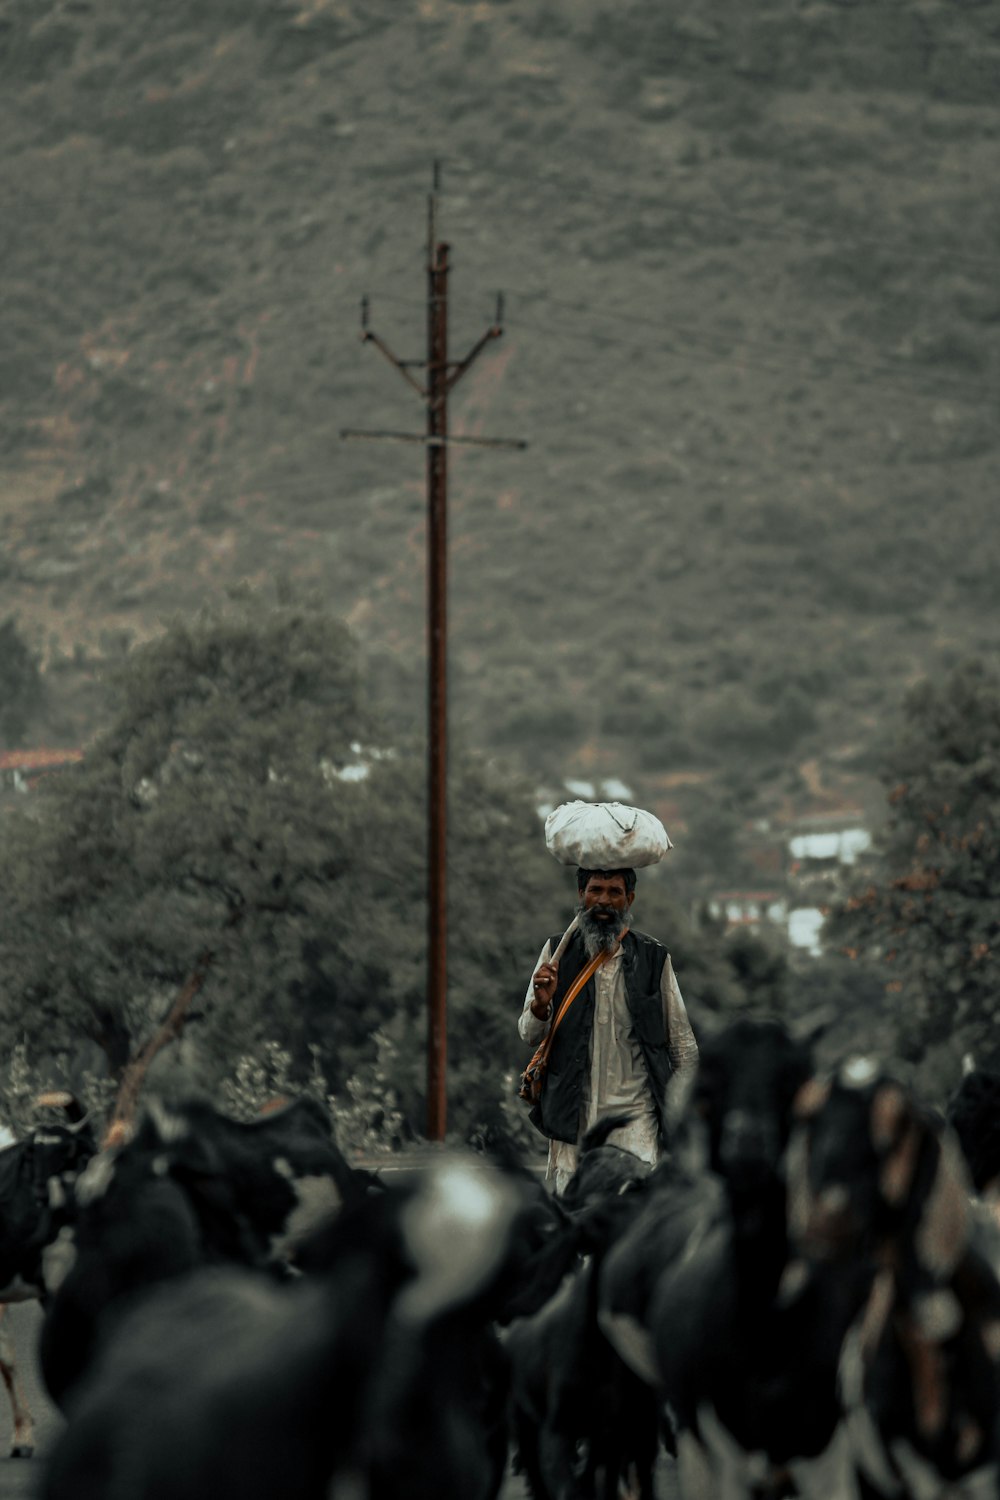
(543, 987)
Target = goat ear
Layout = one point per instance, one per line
(943, 1230)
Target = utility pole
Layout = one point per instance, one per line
(442, 375)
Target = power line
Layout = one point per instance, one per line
(702, 348)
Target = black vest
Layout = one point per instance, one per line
(557, 1114)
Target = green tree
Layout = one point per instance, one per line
(930, 917)
(230, 832)
(502, 900)
(194, 834)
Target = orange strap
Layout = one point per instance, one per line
(588, 970)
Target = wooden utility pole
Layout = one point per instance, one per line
(437, 680)
(442, 375)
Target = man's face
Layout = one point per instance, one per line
(605, 897)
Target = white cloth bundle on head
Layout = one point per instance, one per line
(605, 836)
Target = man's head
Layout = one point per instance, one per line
(606, 897)
(624, 878)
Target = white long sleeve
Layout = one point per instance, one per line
(529, 1027)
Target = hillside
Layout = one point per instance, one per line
(753, 338)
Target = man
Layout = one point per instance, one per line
(625, 1046)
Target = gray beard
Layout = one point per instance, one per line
(600, 936)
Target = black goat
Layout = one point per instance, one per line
(699, 1296)
(877, 1185)
(380, 1371)
(973, 1112)
(579, 1416)
(193, 1187)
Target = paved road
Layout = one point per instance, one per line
(18, 1476)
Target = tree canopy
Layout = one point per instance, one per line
(931, 915)
(193, 827)
(239, 820)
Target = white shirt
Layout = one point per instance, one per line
(616, 1081)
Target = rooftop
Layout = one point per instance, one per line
(37, 760)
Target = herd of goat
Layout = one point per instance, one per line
(803, 1299)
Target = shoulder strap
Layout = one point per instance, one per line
(588, 970)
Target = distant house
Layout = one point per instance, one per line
(803, 863)
(805, 926)
(821, 848)
(748, 908)
(611, 789)
(821, 845)
(757, 910)
(841, 846)
(21, 769)
(357, 769)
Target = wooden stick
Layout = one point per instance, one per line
(563, 942)
(134, 1074)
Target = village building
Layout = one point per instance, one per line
(21, 770)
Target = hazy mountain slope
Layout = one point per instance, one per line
(753, 338)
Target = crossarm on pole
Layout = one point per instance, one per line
(372, 338)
